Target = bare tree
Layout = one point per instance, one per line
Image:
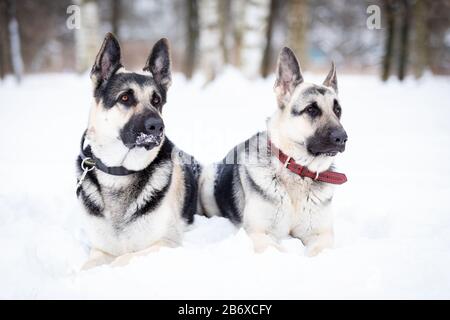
(421, 38)
(86, 38)
(224, 8)
(404, 38)
(389, 13)
(5, 65)
(256, 14)
(297, 26)
(192, 28)
(238, 30)
(209, 38)
(267, 56)
(14, 40)
(2, 59)
(438, 23)
(116, 8)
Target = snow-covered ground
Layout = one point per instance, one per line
(392, 218)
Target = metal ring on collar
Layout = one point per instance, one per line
(91, 164)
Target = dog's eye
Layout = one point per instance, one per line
(337, 109)
(155, 100)
(313, 110)
(127, 98)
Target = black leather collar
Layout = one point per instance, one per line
(89, 160)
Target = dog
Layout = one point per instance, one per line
(280, 182)
(138, 190)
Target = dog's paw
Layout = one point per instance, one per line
(94, 263)
(261, 242)
(314, 250)
(259, 247)
(97, 258)
(90, 264)
(318, 242)
(122, 260)
(125, 259)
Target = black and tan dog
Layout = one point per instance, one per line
(139, 191)
(280, 181)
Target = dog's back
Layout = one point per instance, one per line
(221, 184)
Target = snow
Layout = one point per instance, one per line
(392, 218)
(145, 138)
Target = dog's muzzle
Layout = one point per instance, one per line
(329, 144)
(143, 132)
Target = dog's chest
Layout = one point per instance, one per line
(116, 237)
(116, 232)
(117, 203)
(117, 198)
(304, 202)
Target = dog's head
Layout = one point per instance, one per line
(309, 114)
(125, 123)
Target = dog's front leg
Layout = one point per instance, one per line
(97, 258)
(258, 216)
(316, 242)
(315, 229)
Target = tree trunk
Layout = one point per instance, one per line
(14, 40)
(2, 63)
(404, 39)
(389, 42)
(297, 26)
(254, 39)
(5, 65)
(211, 53)
(192, 26)
(238, 12)
(224, 14)
(87, 42)
(421, 38)
(267, 56)
(116, 7)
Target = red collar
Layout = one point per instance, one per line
(289, 163)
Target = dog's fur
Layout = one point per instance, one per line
(131, 215)
(251, 186)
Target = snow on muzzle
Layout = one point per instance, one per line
(144, 130)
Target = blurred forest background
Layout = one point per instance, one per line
(207, 35)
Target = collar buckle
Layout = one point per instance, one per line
(286, 163)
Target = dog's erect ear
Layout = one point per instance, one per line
(158, 63)
(331, 79)
(107, 61)
(288, 75)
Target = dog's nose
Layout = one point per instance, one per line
(154, 126)
(338, 137)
